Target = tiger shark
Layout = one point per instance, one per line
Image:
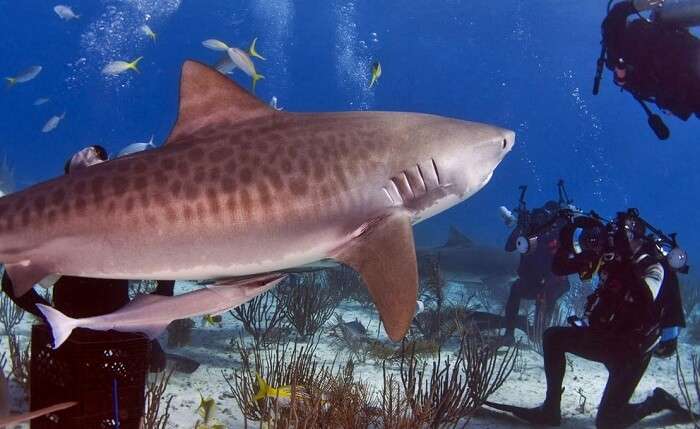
(240, 189)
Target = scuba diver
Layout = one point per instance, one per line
(75, 296)
(635, 312)
(656, 60)
(535, 278)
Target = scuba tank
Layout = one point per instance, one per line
(679, 13)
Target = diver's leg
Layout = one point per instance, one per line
(512, 307)
(614, 410)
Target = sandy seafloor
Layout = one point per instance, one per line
(210, 346)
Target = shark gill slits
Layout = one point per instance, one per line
(415, 181)
(394, 191)
(437, 172)
(391, 199)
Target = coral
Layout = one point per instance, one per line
(395, 412)
(261, 318)
(285, 364)
(154, 417)
(180, 332)
(308, 301)
(10, 314)
(455, 389)
(19, 360)
(686, 394)
(349, 285)
(141, 287)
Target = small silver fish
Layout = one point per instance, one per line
(151, 314)
(40, 101)
(225, 65)
(65, 12)
(145, 29)
(136, 147)
(241, 59)
(117, 67)
(52, 123)
(215, 45)
(25, 76)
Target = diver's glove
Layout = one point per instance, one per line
(642, 5)
(666, 349)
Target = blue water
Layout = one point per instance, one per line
(524, 65)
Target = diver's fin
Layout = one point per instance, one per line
(384, 255)
(61, 325)
(208, 97)
(11, 421)
(456, 238)
(24, 276)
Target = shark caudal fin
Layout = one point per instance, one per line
(61, 325)
(384, 255)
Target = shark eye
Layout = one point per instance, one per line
(505, 143)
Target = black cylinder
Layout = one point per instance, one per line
(682, 13)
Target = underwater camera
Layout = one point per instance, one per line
(591, 234)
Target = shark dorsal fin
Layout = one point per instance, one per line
(456, 238)
(207, 97)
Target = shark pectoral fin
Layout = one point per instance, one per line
(24, 276)
(385, 257)
(208, 97)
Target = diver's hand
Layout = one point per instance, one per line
(642, 5)
(666, 349)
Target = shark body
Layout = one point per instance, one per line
(463, 261)
(240, 189)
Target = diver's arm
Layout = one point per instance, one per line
(650, 273)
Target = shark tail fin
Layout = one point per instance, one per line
(263, 387)
(61, 325)
(253, 52)
(256, 78)
(133, 65)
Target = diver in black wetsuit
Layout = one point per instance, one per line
(638, 297)
(655, 60)
(535, 278)
(75, 296)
